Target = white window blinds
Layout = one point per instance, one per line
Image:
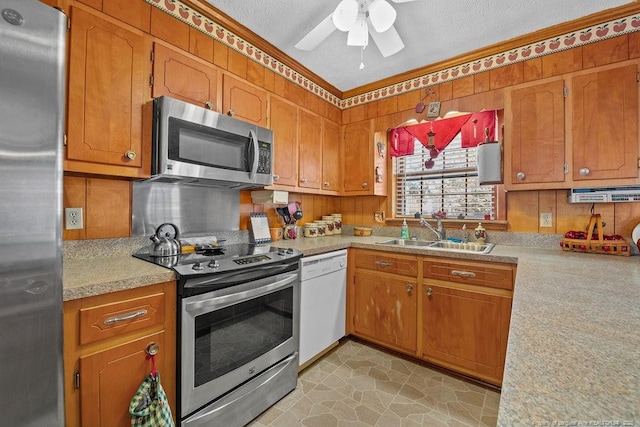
(451, 185)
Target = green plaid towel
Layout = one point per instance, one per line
(149, 407)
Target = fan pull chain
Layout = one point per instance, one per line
(362, 58)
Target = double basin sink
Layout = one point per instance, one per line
(443, 245)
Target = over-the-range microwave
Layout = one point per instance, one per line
(195, 145)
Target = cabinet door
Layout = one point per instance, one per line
(465, 329)
(284, 123)
(604, 106)
(107, 83)
(243, 101)
(535, 140)
(110, 378)
(331, 159)
(178, 76)
(358, 158)
(310, 147)
(385, 309)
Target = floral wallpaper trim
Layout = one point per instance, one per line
(585, 36)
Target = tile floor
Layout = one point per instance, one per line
(357, 385)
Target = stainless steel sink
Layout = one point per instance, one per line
(402, 242)
(443, 245)
(471, 247)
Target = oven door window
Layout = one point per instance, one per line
(202, 145)
(233, 336)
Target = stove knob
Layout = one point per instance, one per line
(198, 266)
(290, 251)
(214, 264)
(281, 252)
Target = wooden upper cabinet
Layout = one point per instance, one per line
(331, 158)
(358, 159)
(534, 135)
(310, 163)
(284, 123)
(244, 101)
(604, 109)
(108, 80)
(178, 76)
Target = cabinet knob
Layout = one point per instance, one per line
(365, 185)
(231, 113)
(276, 177)
(208, 105)
(326, 184)
(130, 154)
(152, 349)
(429, 292)
(521, 176)
(409, 288)
(584, 171)
(303, 180)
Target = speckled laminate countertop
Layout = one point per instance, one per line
(573, 356)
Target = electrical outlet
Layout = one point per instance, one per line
(73, 218)
(546, 219)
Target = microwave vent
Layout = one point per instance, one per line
(604, 195)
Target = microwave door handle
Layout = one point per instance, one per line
(256, 153)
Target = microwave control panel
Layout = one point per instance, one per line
(264, 158)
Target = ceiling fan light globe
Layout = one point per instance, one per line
(345, 15)
(359, 33)
(382, 15)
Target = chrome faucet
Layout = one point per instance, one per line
(440, 232)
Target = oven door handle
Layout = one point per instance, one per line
(256, 154)
(226, 300)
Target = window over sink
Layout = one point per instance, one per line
(447, 183)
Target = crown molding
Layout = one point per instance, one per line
(199, 14)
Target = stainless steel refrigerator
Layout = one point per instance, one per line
(32, 87)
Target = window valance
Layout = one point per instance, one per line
(435, 135)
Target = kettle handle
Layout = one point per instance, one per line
(175, 227)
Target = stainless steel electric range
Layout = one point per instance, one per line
(238, 327)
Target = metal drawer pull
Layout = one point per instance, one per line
(384, 264)
(122, 318)
(463, 274)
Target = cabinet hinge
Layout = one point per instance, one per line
(637, 77)
(566, 168)
(151, 80)
(64, 139)
(68, 24)
(76, 380)
(565, 91)
(151, 57)
(639, 163)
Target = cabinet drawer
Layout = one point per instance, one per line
(107, 320)
(487, 274)
(389, 263)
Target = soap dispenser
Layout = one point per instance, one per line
(404, 232)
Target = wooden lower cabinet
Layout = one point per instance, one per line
(382, 301)
(453, 313)
(105, 360)
(465, 309)
(465, 330)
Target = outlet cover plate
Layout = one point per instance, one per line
(546, 219)
(73, 219)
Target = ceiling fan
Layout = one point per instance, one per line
(360, 18)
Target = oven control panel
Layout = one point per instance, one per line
(251, 260)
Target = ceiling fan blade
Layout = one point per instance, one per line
(317, 35)
(388, 42)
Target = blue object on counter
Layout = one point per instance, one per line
(453, 239)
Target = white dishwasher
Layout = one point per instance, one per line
(323, 302)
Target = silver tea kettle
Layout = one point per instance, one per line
(165, 241)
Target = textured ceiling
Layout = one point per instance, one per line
(432, 31)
